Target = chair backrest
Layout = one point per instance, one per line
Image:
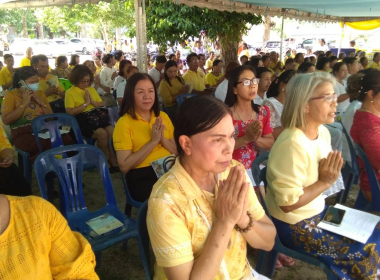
(69, 171)
(373, 182)
(259, 175)
(143, 233)
(65, 83)
(183, 97)
(129, 198)
(53, 122)
(113, 112)
(354, 161)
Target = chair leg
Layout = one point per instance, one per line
(144, 258)
(266, 263)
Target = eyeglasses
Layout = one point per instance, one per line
(85, 81)
(328, 98)
(254, 81)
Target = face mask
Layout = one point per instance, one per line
(34, 87)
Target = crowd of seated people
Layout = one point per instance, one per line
(265, 104)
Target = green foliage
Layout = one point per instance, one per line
(14, 16)
(167, 21)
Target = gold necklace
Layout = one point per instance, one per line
(245, 122)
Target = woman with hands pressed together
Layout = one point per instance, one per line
(80, 100)
(301, 167)
(142, 135)
(252, 124)
(203, 211)
(21, 105)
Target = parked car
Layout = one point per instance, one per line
(43, 47)
(83, 45)
(270, 46)
(63, 46)
(100, 44)
(307, 44)
(19, 45)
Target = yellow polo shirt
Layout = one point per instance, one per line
(44, 86)
(74, 97)
(166, 91)
(212, 80)
(131, 134)
(177, 231)
(25, 62)
(375, 65)
(293, 166)
(196, 80)
(98, 69)
(5, 76)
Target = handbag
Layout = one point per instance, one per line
(108, 100)
(98, 117)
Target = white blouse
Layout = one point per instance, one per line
(275, 108)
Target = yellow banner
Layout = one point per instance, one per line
(363, 25)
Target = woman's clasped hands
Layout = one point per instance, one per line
(157, 132)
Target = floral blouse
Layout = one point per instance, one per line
(247, 154)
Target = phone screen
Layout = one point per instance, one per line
(334, 216)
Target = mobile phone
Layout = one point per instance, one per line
(334, 216)
(22, 84)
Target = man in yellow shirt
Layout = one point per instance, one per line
(6, 73)
(214, 78)
(275, 64)
(194, 77)
(26, 60)
(49, 84)
(376, 59)
(210, 61)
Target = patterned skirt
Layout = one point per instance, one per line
(348, 259)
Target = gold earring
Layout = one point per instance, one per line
(371, 101)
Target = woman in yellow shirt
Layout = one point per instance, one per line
(323, 64)
(21, 105)
(37, 243)
(171, 87)
(82, 101)
(7, 72)
(142, 135)
(301, 168)
(12, 181)
(74, 61)
(203, 212)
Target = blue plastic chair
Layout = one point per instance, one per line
(130, 201)
(69, 171)
(113, 112)
(24, 164)
(183, 97)
(361, 202)
(350, 174)
(266, 262)
(143, 232)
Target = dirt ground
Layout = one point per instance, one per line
(126, 265)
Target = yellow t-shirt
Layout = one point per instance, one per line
(375, 65)
(74, 97)
(4, 142)
(13, 100)
(209, 63)
(292, 166)
(196, 80)
(273, 66)
(131, 134)
(43, 86)
(167, 92)
(5, 76)
(38, 244)
(178, 233)
(98, 69)
(25, 62)
(212, 80)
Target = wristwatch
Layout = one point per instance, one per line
(85, 105)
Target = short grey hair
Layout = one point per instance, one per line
(298, 92)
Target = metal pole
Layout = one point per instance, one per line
(341, 39)
(141, 40)
(282, 35)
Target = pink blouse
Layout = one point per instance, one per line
(247, 154)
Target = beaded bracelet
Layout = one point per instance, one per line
(250, 224)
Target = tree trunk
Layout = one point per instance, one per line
(266, 36)
(228, 50)
(63, 34)
(84, 30)
(24, 26)
(40, 30)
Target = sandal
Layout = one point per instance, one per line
(285, 260)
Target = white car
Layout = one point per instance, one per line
(64, 47)
(83, 45)
(100, 44)
(42, 47)
(19, 45)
